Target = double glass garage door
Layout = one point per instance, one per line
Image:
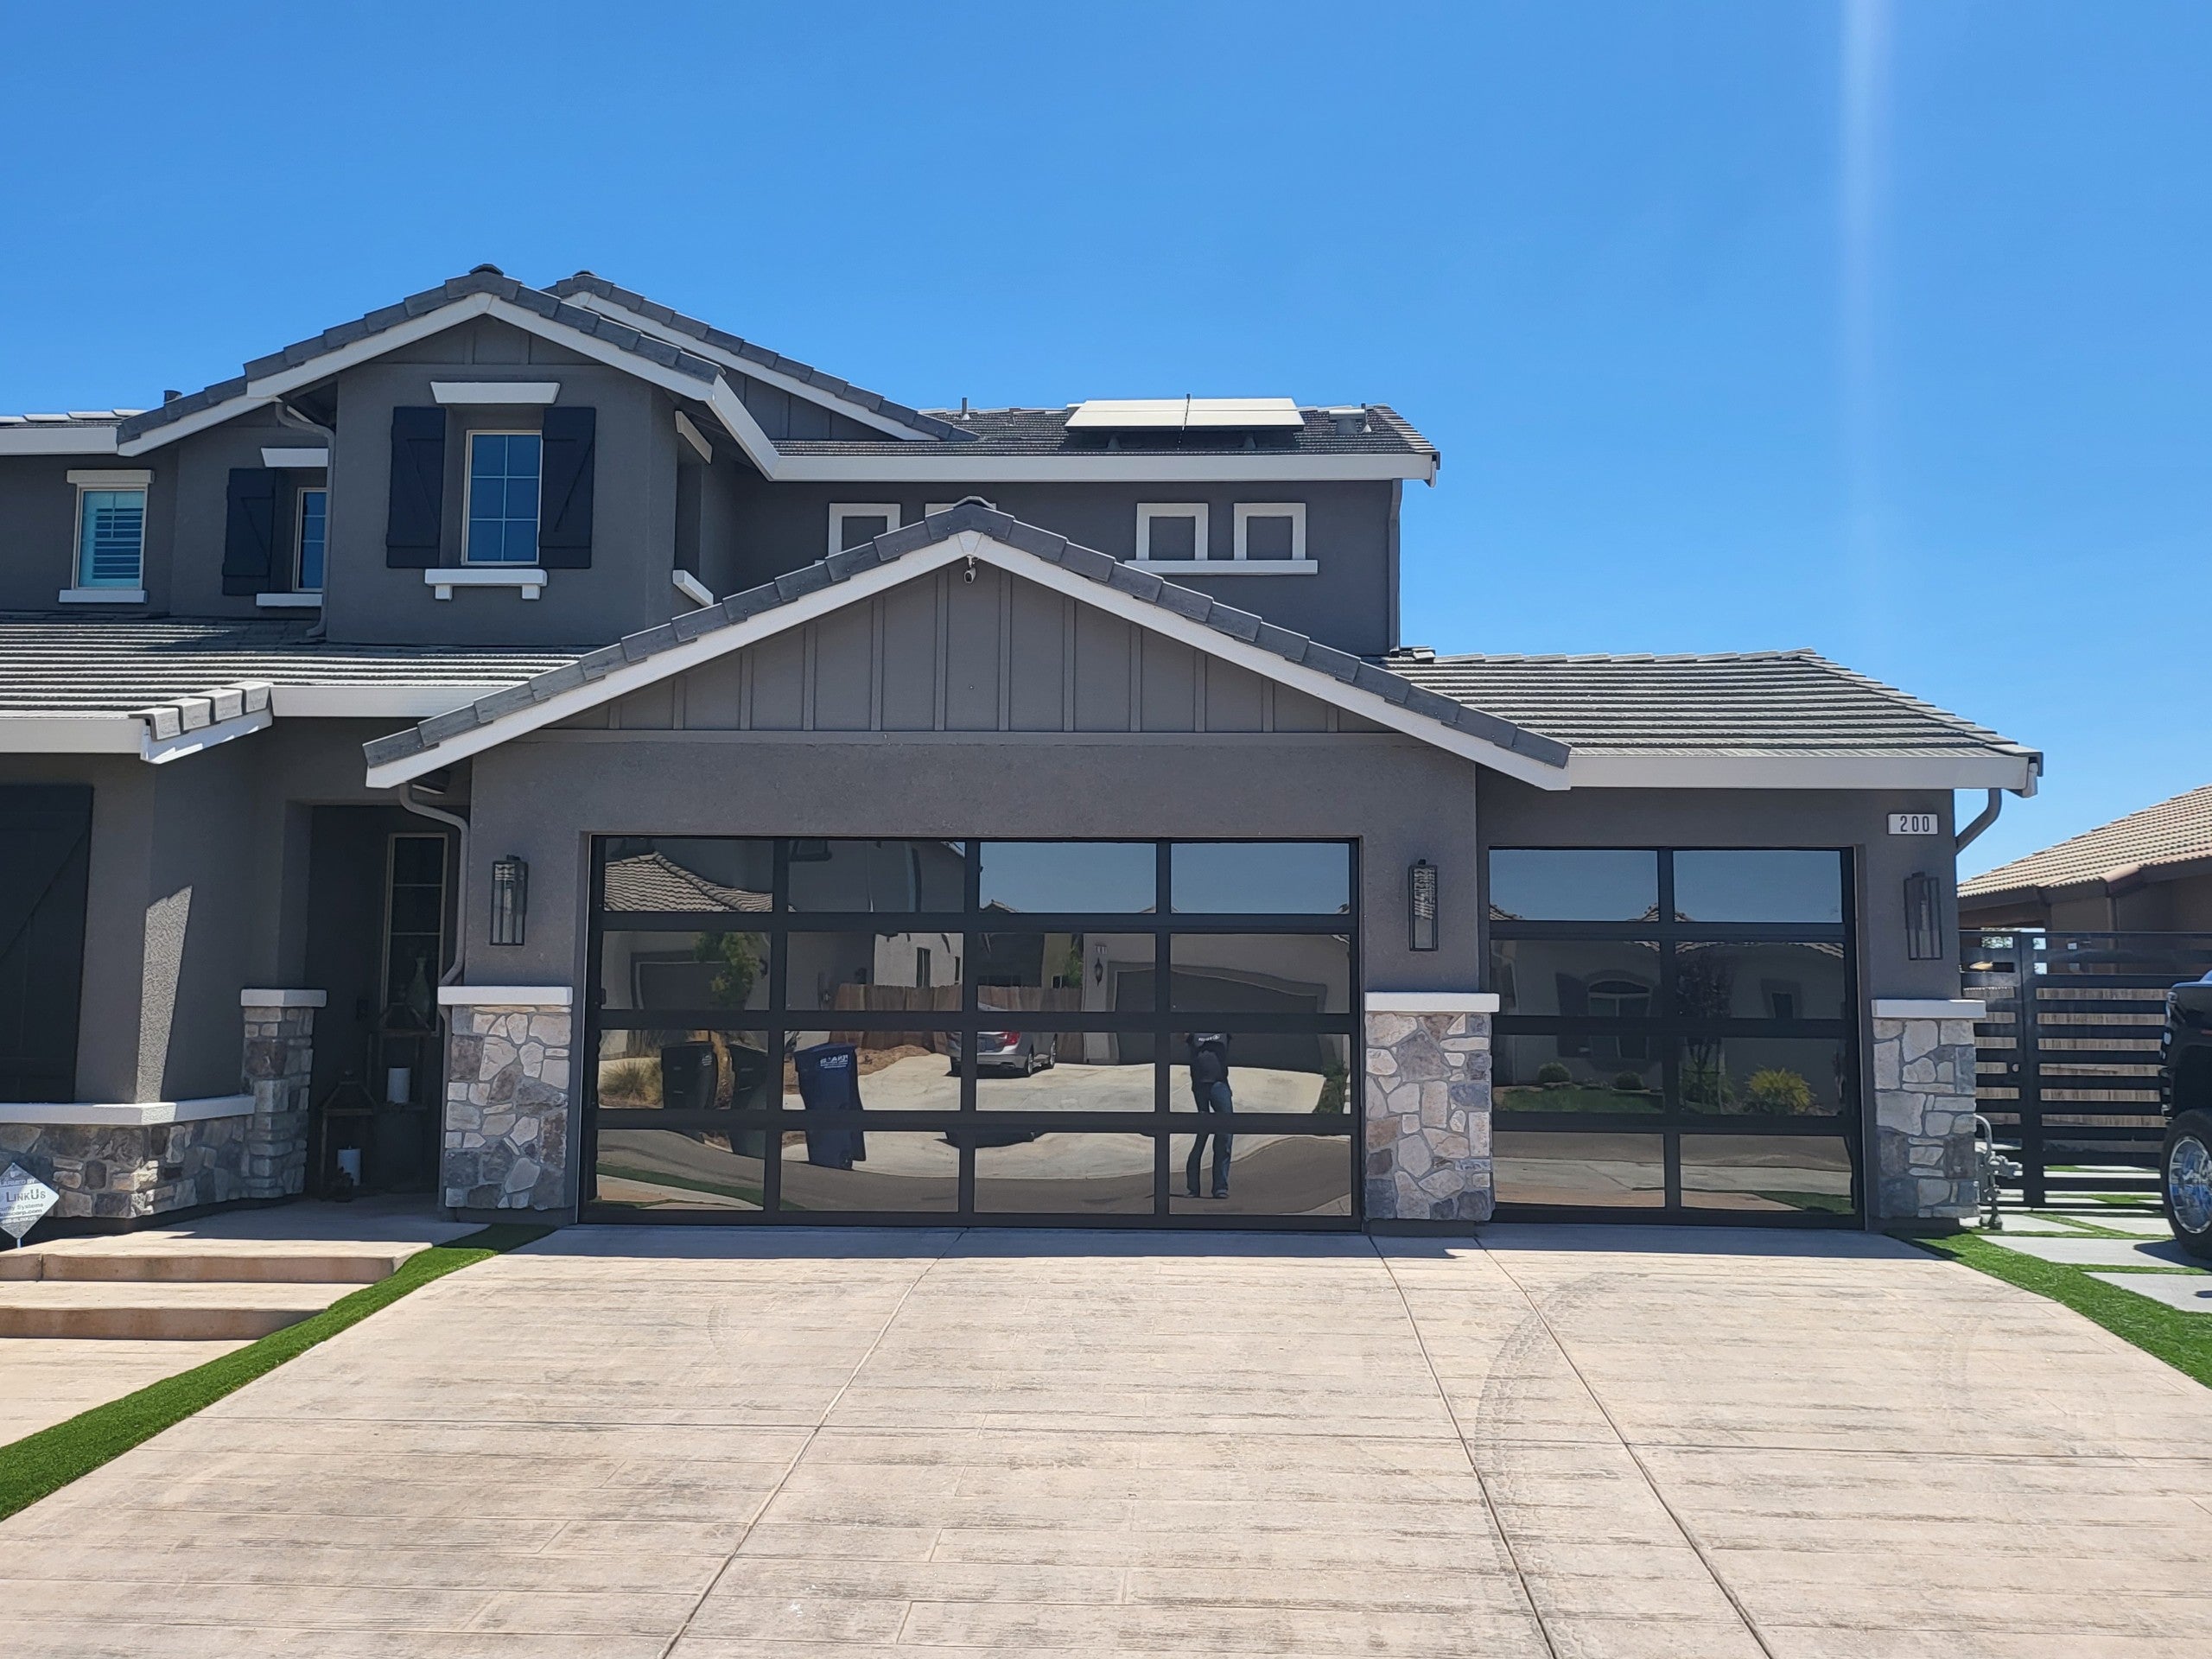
(849, 1030)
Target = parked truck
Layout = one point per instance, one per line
(2186, 1164)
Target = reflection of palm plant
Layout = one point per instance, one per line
(1705, 990)
(1779, 1091)
(737, 966)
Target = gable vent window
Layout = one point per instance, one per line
(1171, 532)
(1271, 532)
(502, 479)
(852, 523)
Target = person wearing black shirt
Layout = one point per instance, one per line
(1210, 1093)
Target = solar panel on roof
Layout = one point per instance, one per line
(1184, 414)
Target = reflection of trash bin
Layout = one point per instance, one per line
(829, 1081)
(687, 1077)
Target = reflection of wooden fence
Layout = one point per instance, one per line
(941, 1002)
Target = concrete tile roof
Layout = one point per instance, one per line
(1750, 703)
(69, 665)
(1382, 431)
(2174, 831)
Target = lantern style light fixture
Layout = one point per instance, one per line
(510, 899)
(1420, 905)
(1923, 918)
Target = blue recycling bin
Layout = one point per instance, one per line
(829, 1081)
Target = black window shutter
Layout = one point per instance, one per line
(250, 532)
(565, 489)
(416, 517)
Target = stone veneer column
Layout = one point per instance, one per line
(1427, 1108)
(507, 1095)
(1924, 1110)
(277, 1070)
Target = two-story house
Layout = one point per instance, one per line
(588, 763)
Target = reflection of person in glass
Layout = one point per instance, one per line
(1210, 1093)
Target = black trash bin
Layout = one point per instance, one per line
(688, 1077)
(829, 1081)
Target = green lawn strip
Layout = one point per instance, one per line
(2182, 1340)
(687, 1183)
(45, 1462)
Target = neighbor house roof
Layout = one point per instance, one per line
(1780, 720)
(2174, 832)
(1377, 429)
(654, 882)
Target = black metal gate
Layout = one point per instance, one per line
(2067, 1066)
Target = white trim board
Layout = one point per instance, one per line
(976, 463)
(128, 1115)
(111, 478)
(160, 751)
(516, 996)
(620, 682)
(295, 460)
(1431, 1001)
(1908, 1007)
(102, 595)
(498, 394)
(442, 579)
(1173, 569)
(260, 998)
(57, 440)
(288, 602)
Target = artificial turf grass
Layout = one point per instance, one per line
(2181, 1340)
(45, 1462)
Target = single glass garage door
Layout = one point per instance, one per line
(1128, 1034)
(1676, 1037)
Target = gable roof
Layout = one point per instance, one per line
(972, 530)
(2139, 845)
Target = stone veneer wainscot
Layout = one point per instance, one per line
(1924, 1110)
(508, 1065)
(1428, 1107)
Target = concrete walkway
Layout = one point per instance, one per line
(1569, 1444)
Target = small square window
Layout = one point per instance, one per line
(1171, 532)
(1271, 530)
(311, 530)
(503, 471)
(852, 523)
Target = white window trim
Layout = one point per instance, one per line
(1148, 511)
(841, 511)
(300, 539)
(1293, 511)
(445, 578)
(498, 393)
(295, 460)
(293, 601)
(134, 478)
(469, 488)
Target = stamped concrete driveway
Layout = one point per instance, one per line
(1566, 1442)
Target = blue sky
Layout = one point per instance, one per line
(1876, 328)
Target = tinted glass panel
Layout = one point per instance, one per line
(1266, 1174)
(1770, 1175)
(893, 1071)
(1758, 886)
(1253, 877)
(896, 1170)
(873, 875)
(1303, 1072)
(1067, 973)
(1020, 1071)
(1787, 1076)
(691, 971)
(1764, 981)
(1260, 973)
(1117, 877)
(1544, 885)
(1609, 1169)
(1581, 979)
(685, 1070)
(689, 872)
(1580, 1071)
(1025, 1173)
(874, 973)
(656, 1168)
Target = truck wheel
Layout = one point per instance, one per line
(2185, 1171)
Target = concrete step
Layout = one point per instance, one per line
(165, 1312)
(265, 1266)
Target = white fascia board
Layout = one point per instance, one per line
(760, 371)
(284, 382)
(619, 682)
(1587, 770)
(160, 751)
(70, 733)
(688, 430)
(975, 464)
(374, 702)
(185, 426)
(127, 1115)
(737, 420)
(57, 440)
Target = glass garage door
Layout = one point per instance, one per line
(973, 1031)
(1676, 1034)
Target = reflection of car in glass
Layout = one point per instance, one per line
(1019, 1052)
(2185, 1165)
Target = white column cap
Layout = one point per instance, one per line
(264, 999)
(1431, 1001)
(1907, 1007)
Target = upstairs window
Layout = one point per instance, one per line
(111, 538)
(1171, 532)
(852, 523)
(313, 519)
(502, 510)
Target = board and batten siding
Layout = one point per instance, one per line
(942, 654)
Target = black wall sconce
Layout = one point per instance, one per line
(1923, 918)
(1420, 905)
(510, 899)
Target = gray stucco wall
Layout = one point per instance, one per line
(38, 526)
